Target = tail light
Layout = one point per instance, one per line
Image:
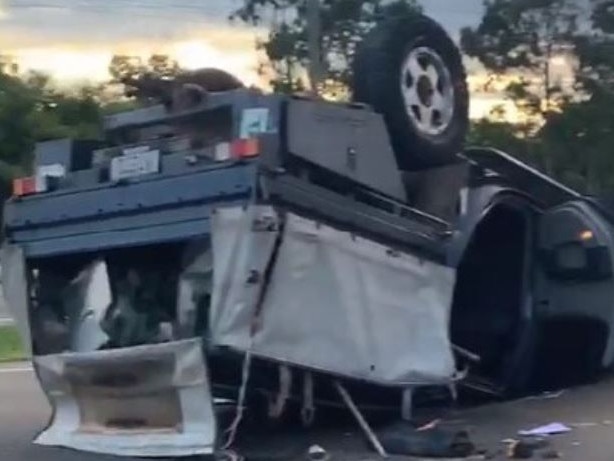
(244, 148)
(45, 178)
(24, 186)
(237, 149)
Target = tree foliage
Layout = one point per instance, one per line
(343, 24)
(571, 134)
(526, 36)
(129, 66)
(31, 110)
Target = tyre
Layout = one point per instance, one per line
(409, 70)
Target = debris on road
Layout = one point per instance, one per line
(317, 453)
(428, 426)
(524, 448)
(548, 429)
(520, 450)
(438, 442)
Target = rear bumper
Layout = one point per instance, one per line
(151, 401)
(143, 212)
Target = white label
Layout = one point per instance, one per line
(254, 121)
(222, 152)
(135, 164)
(43, 172)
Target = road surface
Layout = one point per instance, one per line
(588, 411)
(23, 413)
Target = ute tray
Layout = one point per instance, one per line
(361, 189)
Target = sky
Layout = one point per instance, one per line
(75, 39)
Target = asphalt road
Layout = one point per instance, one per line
(588, 411)
(23, 412)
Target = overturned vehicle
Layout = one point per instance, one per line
(224, 248)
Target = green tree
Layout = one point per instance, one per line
(125, 69)
(31, 110)
(497, 134)
(8, 65)
(524, 38)
(595, 51)
(343, 24)
(162, 65)
(134, 67)
(582, 135)
(125, 66)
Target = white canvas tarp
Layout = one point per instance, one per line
(335, 302)
(147, 401)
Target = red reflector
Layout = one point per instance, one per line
(242, 148)
(24, 186)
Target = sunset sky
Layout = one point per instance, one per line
(75, 39)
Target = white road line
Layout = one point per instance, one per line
(5, 321)
(15, 370)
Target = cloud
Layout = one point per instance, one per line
(67, 61)
(77, 38)
(3, 11)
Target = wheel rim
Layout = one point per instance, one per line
(428, 93)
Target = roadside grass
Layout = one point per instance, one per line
(11, 348)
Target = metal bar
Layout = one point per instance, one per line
(354, 216)
(362, 422)
(467, 354)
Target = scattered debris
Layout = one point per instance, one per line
(548, 429)
(524, 448)
(520, 450)
(438, 442)
(317, 453)
(432, 425)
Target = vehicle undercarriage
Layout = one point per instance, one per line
(216, 262)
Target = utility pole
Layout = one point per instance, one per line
(314, 26)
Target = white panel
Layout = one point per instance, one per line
(336, 303)
(189, 378)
